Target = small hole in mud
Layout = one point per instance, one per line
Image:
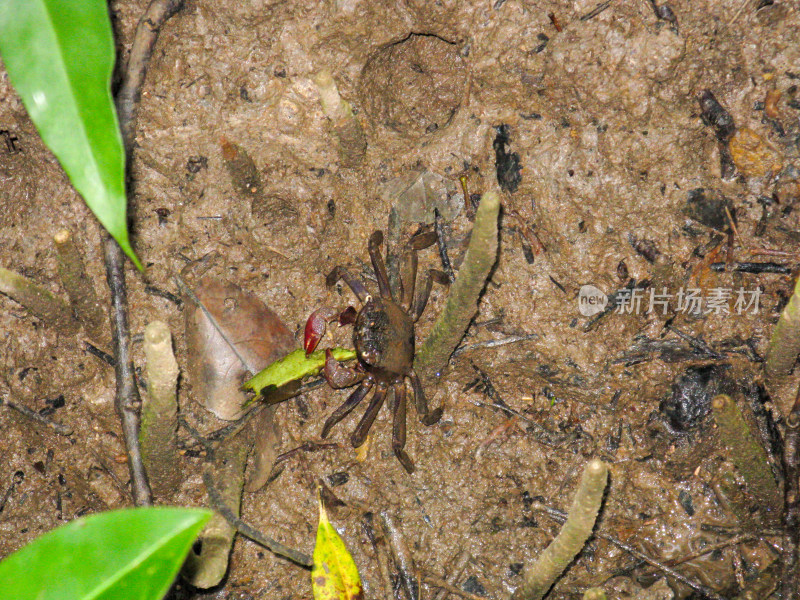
(414, 86)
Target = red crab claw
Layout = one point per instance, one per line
(315, 327)
(317, 323)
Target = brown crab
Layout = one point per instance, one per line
(383, 337)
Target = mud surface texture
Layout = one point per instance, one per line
(595, 124)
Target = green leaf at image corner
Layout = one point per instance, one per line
(132, 554)
(59, 55)
(294, 366)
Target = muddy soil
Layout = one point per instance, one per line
(603, 155)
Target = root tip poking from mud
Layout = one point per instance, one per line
(462, 302)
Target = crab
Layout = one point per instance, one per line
(383, 338)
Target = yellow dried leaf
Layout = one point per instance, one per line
(334, 575)
(751, 154)
(363, 450)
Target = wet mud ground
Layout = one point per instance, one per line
(605, 155)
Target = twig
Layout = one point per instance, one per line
(596, 11)
(380, 553)
(402, 555)
(458, 565)
(739, 539)
(738, 13)
(127, 399)
(104, 356)
(127, 97)
(216, 501)
(32, 414)
(494, 343)
(441, 244)
(441, 583)
(696, 343)
(218, 504)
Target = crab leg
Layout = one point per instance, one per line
(360, 434)
(427, 416)
(375, 241)
(355, 284)
(422, 298)
(345, 409)
(409, 267)
(399, 427)
(408, 274)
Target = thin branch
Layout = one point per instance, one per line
(127, 98)
(275, 546)
(127, 399)
(35, 416)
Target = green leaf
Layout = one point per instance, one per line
(59, 55)
(334, 575)
(130, 554)
(294, 366)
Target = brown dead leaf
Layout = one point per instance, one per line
(265, 450)
(231, 334)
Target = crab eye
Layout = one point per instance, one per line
(370, 354)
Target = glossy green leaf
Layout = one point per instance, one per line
(294, 366)
(131, 554)
(334, 575)
(59, 55)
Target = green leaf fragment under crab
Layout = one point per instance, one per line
(293, 367)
